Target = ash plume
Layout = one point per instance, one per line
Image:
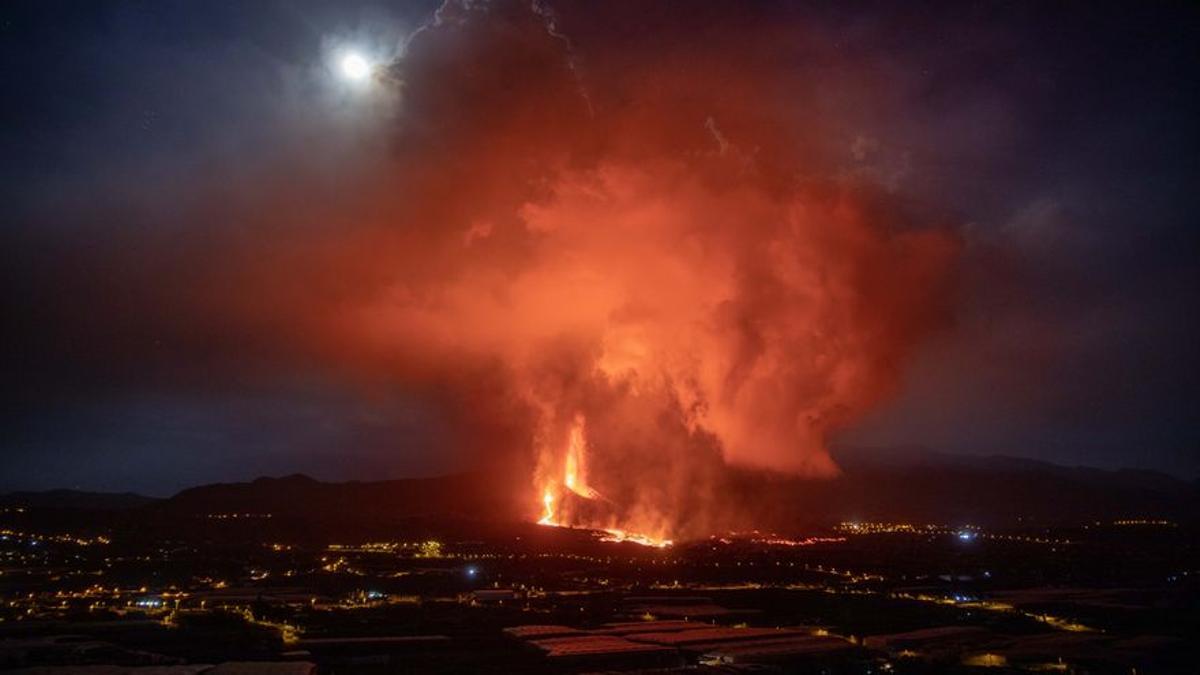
(698, 304)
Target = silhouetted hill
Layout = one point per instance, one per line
(927, 487)
(924, 486)
(466, 495)
(75, 499)
(910, 457)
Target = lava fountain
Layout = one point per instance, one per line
(574, 481)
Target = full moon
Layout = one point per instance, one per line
(355, 67)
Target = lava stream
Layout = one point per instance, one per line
(575, 480)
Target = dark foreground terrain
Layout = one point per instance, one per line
(281, 576)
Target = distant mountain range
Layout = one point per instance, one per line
(924, 487)
(465, 495)
(77, 499)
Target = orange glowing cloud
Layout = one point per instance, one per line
(696, 301)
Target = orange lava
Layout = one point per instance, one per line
(574, 480)
(615, 535)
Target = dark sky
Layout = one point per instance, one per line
(198, 208)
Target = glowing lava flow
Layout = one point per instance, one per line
(615, 535)
(547, 509)
(575, 480)
(574, 476)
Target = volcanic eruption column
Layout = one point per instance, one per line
(670, 263)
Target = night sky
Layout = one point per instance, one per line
(223, 258)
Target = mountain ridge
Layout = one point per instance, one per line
(929, 487)
(996, 489)
(62, 498)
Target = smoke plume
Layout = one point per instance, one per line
(664, 252)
